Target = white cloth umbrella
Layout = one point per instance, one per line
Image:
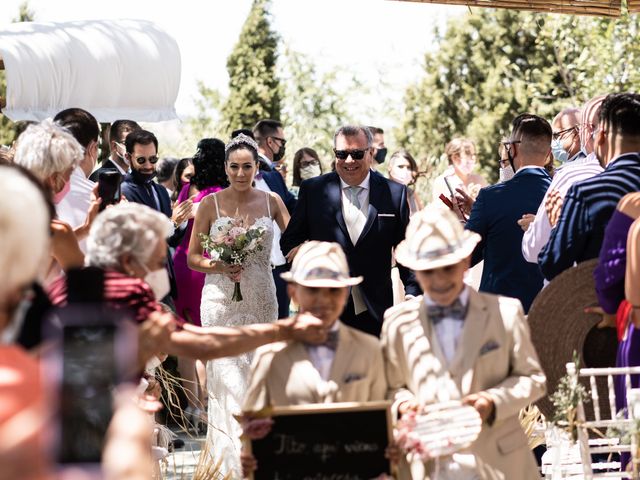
(115, 69)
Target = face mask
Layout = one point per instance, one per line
(506, 174)
(559, 153)
(139, 177)
(158, 280)
(466, 167)
(310, 171)
(58, 197)
(402, 175)
(380, 155)
(279, 155)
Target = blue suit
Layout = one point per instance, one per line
(275, 182)
(318, 216)
(587, 208)
(494, 216)
(139, 192)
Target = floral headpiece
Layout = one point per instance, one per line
(241, 139)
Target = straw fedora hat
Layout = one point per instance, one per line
(559, 327)
(435, 238)
(320, 264)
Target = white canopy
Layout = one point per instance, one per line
(112, 68)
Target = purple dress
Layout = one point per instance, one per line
(628, 356)
(189, 282)
(609, 274)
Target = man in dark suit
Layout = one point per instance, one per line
(498, 208)
(589, 204)
(117, 160)
(138, 186)
(366, 214)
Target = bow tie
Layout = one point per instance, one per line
(456, 311)
(258, 176)
(331, 342)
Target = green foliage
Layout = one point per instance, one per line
(254, 89)
(565, 400)
(492, 65)
(313, 106)
(7, 127)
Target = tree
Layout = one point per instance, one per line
(7, 127)
(494, 64)
(254, 89)
(313, 106)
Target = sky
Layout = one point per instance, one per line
(364, 37)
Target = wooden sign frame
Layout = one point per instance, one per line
(344, 407)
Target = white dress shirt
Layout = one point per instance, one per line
(355, 220)
(74, 206)
(448, 330)
(539, 231)
(277, 258)
(322, 357)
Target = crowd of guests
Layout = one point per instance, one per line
(360, 293)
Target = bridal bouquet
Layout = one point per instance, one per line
(233, 243)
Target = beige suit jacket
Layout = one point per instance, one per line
(282, 373)
(494, 355)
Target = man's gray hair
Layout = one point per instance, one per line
(46, 148)
(125, 229)
(353, 131)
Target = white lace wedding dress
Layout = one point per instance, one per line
(227, 377)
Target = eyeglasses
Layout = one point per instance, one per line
(355, 154)
(284, 142)
(143, 160)
(557, 135)
(503, 162)
(309, 163)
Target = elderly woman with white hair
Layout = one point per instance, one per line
(24, 244)
(127, 242)
(51, 153)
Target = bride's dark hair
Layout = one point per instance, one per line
(208, 164)
(239, 142)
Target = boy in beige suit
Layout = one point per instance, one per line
(347, 368)
(455, 343)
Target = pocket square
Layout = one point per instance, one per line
(352, 377)
(490, 346)
(386, 214)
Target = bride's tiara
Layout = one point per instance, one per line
(241, 139)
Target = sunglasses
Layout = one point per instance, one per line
(143, 160)
(557, 135)
(355, 154)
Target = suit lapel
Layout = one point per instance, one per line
(299, 357)
(342, 358)
(334, 192)
(472, 336)
(374, 199)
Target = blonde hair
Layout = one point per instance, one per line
(46, 148)
(24, 243)
(458, 146)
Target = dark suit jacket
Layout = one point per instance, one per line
(494, 216)
(587, 208)
(138, 193)
(107, 165)
(275, 182)
(318, 216)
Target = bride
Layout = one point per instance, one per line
(226, 378)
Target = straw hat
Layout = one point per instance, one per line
(435, 238)
(320, 264)
(559, 327)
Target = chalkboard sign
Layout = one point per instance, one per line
(329, 441)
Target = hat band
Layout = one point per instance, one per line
(320, 273)
(438, 253)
